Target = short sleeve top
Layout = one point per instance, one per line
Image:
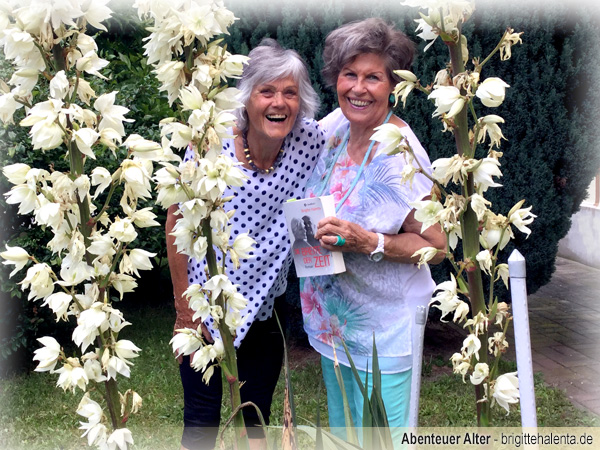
(259, 212)
(370, 297)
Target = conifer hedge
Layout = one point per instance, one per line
(551, 110)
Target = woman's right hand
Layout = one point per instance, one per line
(357, 239)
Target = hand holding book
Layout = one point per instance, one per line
(310, 258)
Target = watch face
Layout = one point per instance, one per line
(377, 256)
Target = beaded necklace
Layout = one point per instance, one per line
(251, 162)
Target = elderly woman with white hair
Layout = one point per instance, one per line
(278, 143)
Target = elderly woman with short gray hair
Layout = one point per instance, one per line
(374, 226)
(277, 144)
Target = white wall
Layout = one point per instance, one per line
(582, 243)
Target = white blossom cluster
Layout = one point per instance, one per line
(451, 95)
(47, 42)
(192, 70)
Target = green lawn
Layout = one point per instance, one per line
(36, 415)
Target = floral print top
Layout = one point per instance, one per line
(370, 298)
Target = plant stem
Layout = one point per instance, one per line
(112, 396)
(470, 235)
(76, 164)
(229, 363)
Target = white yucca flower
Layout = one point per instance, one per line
(489, 126)
(59, 85)
(506, 390)
(90, 409)
(126, 349)
(90, 324)
(122, 283)
(74, 273)
(39, 281)
(426, 212)
(185, 342)
(137, 177)
(242, 248)
(521, 217)
(390, 136)
(446, 296)
(47, 355)
(15, 256)
(448, 101)
(143, 148)
(91, 63)
(114, 365)
(485, 260)
(471, 346)
(24, 196)
(479, 204)
(144, 218)
(16, 173)
(113, 115)
(184, 232)
(218, 284)
(85, 138)
(123, 230)
(135, 260)
(491, 92)
(425, 255)
(59, 303)
(480, 373)
(102, 178)
(172, 77)
(95, 12)
(96, 433)
(72, 376)
(120, 438)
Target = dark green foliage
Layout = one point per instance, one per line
(550, 155)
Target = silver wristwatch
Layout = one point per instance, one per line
(377, 254)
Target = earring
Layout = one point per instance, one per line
(392, 99)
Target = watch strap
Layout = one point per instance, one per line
(377, 254)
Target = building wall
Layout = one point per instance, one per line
(582, 243)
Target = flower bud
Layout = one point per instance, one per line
(406, 75)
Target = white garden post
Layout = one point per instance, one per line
(517, 273)
(415, 386)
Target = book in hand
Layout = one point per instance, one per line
(302, 217)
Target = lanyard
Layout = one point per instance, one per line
(360, 170)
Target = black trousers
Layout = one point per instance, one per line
(259, 360)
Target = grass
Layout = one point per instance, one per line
(34, 414)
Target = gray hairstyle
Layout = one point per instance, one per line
(269, 62)
(371, 35)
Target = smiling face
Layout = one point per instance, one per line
(363, 90)
(272, 109)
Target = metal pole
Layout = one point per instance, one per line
(415, 386)
(518, 288)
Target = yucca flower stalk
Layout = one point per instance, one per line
(458, 203)
(50, 50)
(194, 68)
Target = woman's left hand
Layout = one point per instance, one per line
(358, 240)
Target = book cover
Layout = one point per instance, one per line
(302, 216)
